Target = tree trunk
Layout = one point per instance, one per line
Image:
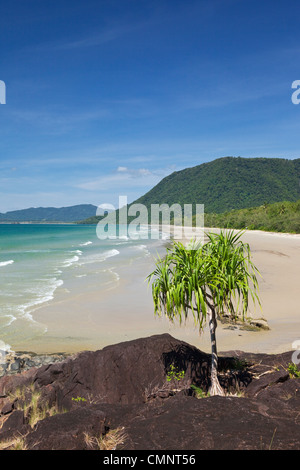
(215, 388)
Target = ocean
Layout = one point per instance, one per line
(43, 262)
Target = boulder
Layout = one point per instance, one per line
(125, 372)
(260, 323)
(68, 431)
(125, 387)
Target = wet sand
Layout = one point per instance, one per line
(97, 319)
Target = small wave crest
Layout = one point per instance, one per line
(142, 248)
(6, 263)
(99, 257)
(42, 294)
(70, 261)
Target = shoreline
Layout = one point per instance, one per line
(36, 222)
(94, 320)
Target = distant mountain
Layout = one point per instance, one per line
(229, 183)
(50, 214)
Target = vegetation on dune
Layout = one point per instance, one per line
(277, 217)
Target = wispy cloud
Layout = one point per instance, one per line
(56, 121)
(124, 178)
(93, 40)
(107, 34)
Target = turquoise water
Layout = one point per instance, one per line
(39, 262)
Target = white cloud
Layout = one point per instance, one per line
(125, 178)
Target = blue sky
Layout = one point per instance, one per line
(105, 98)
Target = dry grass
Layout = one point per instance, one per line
(110, 441)
(173, 386)
(28, 399)
(2, 421)
(15, 443)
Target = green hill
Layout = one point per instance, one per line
(226, 184)
(229, 183)
(50, 214)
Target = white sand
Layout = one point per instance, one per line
(95, 320)
(277, 256)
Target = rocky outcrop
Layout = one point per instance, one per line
(124, 397)
(16, 362)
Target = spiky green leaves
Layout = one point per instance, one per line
(218, 275)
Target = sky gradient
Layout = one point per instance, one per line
(105, 98)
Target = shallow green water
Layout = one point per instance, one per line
(38, 262)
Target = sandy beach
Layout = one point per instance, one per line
(277, 257)
(97, 319)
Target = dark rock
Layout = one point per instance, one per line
(15, 366)
(9, 383)
(259, 384)
(260, 323)
(214, 423)
(7, 407)
(124, 386)
(16, 420)
(68, 431)
(122, 373)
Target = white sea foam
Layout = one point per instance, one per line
(8, 319)
(10, 294)
(156, 233)
(70, 261)
(140, 233)
(86, 243)
(112, 281)
(5, 263)
(38, 251)
(142, 248)
(115, 274)
(165, 236)
(4, 350)
(11, 319)
(98, 257)
(45, 289)
(43, 293)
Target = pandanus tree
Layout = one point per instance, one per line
(206, 281)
